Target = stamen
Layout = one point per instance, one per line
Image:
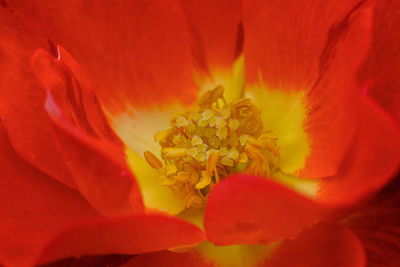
(153, 160)
(205, 146)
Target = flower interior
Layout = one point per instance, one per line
(204, 146)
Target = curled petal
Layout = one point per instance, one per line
(98, 167)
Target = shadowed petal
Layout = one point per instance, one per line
(250, 210)
(33, 207)
(324, 245)
(133, 234)
(372, 161)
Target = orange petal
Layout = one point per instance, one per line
(319, 58)
(380, 69)
(216, 32)
(168, 259)
(250, 210)
(134, 234)
(136, 52)
(323, 245)
(372, 161)
(21, 100)
(98, 167)
(73, 92)
(34, 207)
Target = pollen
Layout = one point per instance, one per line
(204, 146)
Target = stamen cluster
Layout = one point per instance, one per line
(204, 146)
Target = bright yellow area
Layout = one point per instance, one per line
(284, 113)
(136, 128)
(236, 255)
(194, 216)
(155, 196)
(232, 80)
(304, 186)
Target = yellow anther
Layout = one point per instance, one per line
(212, 121)
(223, 151)
(192, 152)
(191, 127)
(227, 162)
(181, 121)
(214, 141)
(202, 147)
(173, 152)
(196, 140)
(204, 181)
(207, 114)
(243, 158)
(222, 133)
(196, 116)
(225, 113)
(182, 177)
(202, 122)
(161, 135)
(234, 124)
(202, 156)
(166, 181)
(153, 161)
(243, 139)
(170, 169)
(220, 123)
(194, 200)
(178, 140)
(233, 154)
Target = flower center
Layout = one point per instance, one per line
(203, 147)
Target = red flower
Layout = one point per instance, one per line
(73, 181)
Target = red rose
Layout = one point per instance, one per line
(193, 132)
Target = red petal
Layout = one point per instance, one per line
(137, 51)
(98, 167)
(378, 226)
(383, 62)
(168, 259)
(324, 245)
(133, 234)
(92, 261)
(21, 101)
(248, 210)
(73, 91)
(33, 207)
(291, 57)
(320, 57)
(216, 32)
(371, 162)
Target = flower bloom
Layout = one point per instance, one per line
(201, 133)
